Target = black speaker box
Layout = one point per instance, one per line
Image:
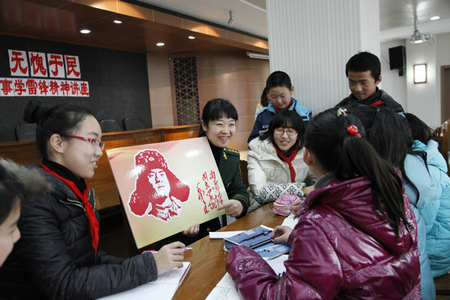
(397, 57)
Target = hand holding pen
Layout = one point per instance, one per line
(170, 256)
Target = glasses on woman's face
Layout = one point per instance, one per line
(281, 131)
(93, 142)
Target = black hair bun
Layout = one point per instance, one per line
(34, 112)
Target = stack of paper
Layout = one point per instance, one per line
(162, 289)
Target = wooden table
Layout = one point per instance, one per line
(208, 258)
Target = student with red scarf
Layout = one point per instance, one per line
(57, 256)
(279, 90)
(275, 162)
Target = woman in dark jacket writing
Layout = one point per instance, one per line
(356, 237)
(58, 256)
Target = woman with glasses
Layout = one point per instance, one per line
(57, 256)
(275, 161)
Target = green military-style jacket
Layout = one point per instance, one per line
(231, 177)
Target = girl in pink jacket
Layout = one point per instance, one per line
(356, 237)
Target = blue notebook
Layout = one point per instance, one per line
(258, 239)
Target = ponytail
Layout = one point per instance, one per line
(337, 140)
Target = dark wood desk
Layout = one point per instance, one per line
(208, 258)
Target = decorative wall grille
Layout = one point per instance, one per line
(186, 90)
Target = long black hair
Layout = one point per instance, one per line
(286, 119)
(419, 129)
(390, 135)
(215, 109)
(348, 156)
(61, 119)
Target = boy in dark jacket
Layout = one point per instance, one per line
(363, 71)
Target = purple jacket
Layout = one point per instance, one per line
(342, 247)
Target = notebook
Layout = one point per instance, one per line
(259, 239)
(162, 289)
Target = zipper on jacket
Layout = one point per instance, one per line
(280, 282)
(72, 202)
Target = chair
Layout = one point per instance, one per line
(244, 171)
(25, 132)
(441, 135)
(442, 284)
(133, 123)
(110, 125)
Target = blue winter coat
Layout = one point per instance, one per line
(417, 172)
(436, 214)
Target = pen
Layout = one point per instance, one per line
(187, 248)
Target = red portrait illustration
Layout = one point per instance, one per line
(158, 191)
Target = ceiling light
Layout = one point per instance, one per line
(160, 44)
(257, 55)
(117, 21)
(434, 18)
(85, 31)
(191, 37)
(419, 37)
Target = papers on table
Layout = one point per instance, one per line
(162, 289)
(223, 234)
(290, 221)
(227, 234)
(225, 289)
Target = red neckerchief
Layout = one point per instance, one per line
(379, 102)
(278, 110)
(93, 223)
(289, 161)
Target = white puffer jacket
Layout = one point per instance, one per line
(266, 170)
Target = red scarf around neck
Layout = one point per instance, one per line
(93, 222)
(287, 107)
(289, 160)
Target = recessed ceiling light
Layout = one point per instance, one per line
(160, 44)
(85, 31)
(434, 18)
(117, 21)
(191, 37)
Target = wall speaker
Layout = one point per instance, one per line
(397, 59)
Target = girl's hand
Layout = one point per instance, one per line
(281, 234)
(295, 206)
(169, 256)
(192, 230)
(232, 207)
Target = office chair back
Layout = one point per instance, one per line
(25, 132)
(133, 123)
(110, 125)
(442, 135)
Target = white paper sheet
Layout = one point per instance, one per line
(162, 289)
(225, 289)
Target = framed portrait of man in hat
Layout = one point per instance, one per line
(165, 187)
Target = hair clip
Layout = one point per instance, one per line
(341, 112)
(352, 129)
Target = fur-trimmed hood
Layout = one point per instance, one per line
(32, 180)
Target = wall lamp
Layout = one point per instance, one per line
(420, 73)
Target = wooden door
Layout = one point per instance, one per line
(445, 93)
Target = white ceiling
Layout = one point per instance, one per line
(396, 16)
